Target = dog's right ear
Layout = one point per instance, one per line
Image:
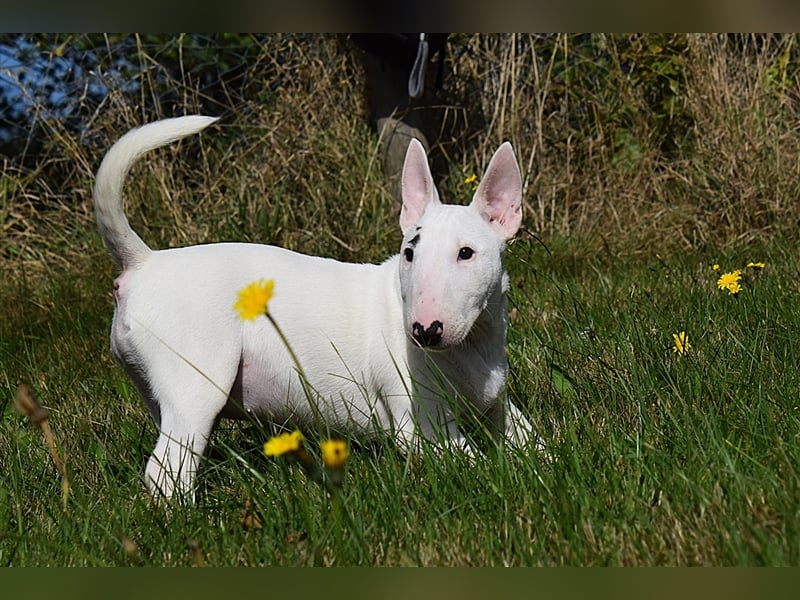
(417, 185)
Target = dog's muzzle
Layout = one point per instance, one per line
(430, 336)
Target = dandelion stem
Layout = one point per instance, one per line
(303, 379)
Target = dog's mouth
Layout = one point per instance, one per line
(437, 348)
(430, 349)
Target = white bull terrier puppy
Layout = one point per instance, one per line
(415, 346)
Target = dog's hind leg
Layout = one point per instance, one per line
(174, 463)
(189, 404)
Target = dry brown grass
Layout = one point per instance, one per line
(592, 140)
(295, 161)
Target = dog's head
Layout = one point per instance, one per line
(451, 259)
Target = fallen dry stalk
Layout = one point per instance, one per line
(25, 402)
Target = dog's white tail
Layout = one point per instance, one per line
(125, 246)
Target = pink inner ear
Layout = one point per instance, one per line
(416, 184)
(499, 195)
(502, 211)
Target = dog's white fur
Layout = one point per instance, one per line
(411, 346)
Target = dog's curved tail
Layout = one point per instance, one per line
(125, 246)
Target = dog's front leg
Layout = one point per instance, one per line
(438, 423)
(412, 420)
(509, 422)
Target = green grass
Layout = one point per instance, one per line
(655, 458)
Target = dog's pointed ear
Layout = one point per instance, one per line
(417, 185)
(499, 195)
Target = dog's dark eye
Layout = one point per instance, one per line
(465, 253)
(409, 254)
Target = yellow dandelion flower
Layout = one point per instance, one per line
(284, 443)
(730, 281)
(682, 344)
(253, 300)
(334, 453)
(715, 267)
(756, 265)
(472, 180)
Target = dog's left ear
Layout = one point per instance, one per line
(417, 185)
(499, 195)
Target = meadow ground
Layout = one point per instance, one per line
(648, 161)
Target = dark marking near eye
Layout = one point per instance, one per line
(408, 253)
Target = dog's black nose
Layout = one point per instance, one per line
(430, 336)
